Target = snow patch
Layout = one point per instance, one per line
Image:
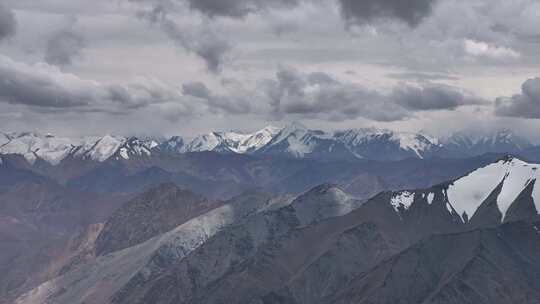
(402, 199)
(430, 198)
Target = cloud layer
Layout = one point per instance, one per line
(411, 12)
(8, 24)
(293, 94)
(45, 88)
(63, 47)
(524, 105)
(237, 8)
(418, 64)
(202, 40)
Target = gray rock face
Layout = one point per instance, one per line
(523, 208)
(154, 212)
(499, 265)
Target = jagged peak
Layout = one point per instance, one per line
(467, 193)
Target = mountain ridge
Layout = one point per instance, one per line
(293, 141)
(321, 247)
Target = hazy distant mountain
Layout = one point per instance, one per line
(387, 145)
(500, 141)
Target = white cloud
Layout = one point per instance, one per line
(484, 49)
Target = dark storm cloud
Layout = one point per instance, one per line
(432, 97)
(320, 95)
(524, 105)
(238, 103)
(21, 84)
(412, 12)
(46, 88)
(236, 8)
(8, 24)
(63, 47)
(203, 42)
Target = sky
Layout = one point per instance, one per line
(184, 67)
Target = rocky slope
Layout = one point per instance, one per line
(327, 247)
(498, 265)
(152, 213)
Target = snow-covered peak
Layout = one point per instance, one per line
(232, 141)
(359, 139)
(33, 145)
(293, 129)
(257, 140)
(136, 147)
(104, 148)
(296, 140)
(53, 149)
(206, 142)
(469, 192)
(413, 142)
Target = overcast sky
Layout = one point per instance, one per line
(189, 66)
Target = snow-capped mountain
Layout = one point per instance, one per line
(100, 149)
(227, 142)
(136, 147)
(385, 144)
(298, 141)
(504, 141)
(33, 146)
(500, 192)
(52, 149)
(293, 141)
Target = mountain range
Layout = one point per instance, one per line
(284, 215)
(292, 141)
(473, 239)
